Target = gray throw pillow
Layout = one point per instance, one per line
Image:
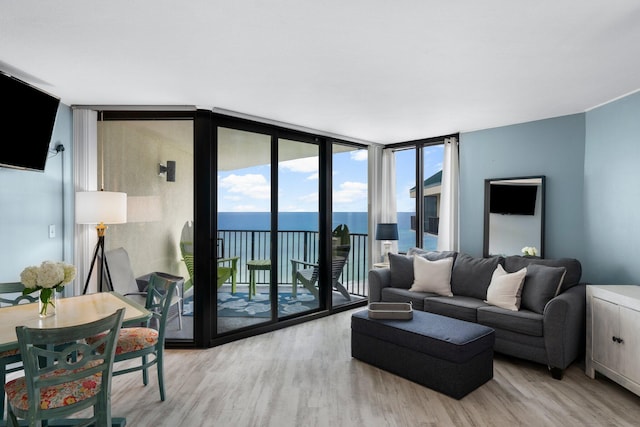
(573, 266)
(432, 255)
(541, 284)
(471, 276)
(401, 269)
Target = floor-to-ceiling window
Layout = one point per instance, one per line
(350, 259)
(418, 188)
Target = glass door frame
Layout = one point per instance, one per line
(206, 213)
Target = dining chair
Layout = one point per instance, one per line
(75, 376)
(11, 360)
(147, 342)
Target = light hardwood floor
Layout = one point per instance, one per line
(305, 376)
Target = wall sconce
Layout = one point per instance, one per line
(169, 170)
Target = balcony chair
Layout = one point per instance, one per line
(64, 385)
(135, 288)
(147, 342)
(227, 267)
(307, 273)
(11, 360)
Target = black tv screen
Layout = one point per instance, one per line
(513, 199)
(26, 121)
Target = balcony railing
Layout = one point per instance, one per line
(301, 245)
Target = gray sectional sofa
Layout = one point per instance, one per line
(548, 327)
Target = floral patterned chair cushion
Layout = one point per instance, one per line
(55, 396)
(132, 339)
(8, 353)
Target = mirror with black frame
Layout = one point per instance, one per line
(514, 216)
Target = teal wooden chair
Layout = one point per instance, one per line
(147, 343)
(75, 376)
(11, 360)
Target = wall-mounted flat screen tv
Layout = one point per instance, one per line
(513, 199)
(26, 121)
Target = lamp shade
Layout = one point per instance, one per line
(387, 231)
(94, 207)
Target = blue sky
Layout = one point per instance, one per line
(248, 189)
(406, 175)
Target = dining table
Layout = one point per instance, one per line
(70, 311)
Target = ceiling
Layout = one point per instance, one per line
(373, 70)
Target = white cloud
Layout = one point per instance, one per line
(306, 165)
(310, 198)
(359, 155)
(246, 208)
(313, 177)
(254, 186)
(350, 191)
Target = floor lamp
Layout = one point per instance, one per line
(100, 207)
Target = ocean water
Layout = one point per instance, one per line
(308, 221)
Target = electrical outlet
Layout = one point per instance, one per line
(52, 231)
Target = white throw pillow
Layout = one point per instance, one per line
(505, 288)
(432, 276)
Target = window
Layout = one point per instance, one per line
(418, 205)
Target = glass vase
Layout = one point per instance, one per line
(47, 308)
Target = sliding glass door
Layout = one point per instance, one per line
(298, 238)
(243, 242)
(349, 200)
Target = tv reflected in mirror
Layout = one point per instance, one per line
(513, 199)
(514, 215)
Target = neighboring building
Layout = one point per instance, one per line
(432, 189)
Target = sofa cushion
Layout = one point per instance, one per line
(522, 322)
(463, 308)
(401, 267)
(471, 276)
(404, 295)
(540, 285)
(432, 255)
(505, 288)
(573, 266)
(432, 276)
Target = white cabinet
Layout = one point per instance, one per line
(613, 334)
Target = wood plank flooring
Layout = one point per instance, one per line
(305, 376)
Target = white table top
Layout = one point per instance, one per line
(69, 312)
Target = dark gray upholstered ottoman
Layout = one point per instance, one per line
(448, 355)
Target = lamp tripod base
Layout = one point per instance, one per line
(104, 266)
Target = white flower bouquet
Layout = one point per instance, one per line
(48, 278)
(530, 251)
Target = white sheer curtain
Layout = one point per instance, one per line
(389, 211)
(85, 166)
(382, 196)
(448, 227)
